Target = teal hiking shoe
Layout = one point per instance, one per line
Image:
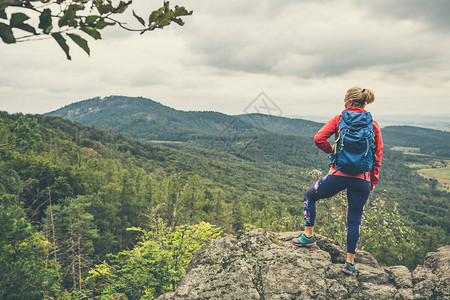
(303, 241)
(349, 268)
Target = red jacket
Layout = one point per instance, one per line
(330, 128)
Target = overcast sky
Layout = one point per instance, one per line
(303, 54)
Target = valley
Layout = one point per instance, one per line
(281, 144)
(138, 174)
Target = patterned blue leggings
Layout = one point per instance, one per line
(358, 191)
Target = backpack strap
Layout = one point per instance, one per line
(335, 171)
(337, 141)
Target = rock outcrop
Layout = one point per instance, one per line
(265, 265)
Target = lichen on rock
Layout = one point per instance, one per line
(266, 265)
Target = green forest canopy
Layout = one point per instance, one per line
(87, 199)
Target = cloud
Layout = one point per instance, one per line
(295, 41)
(303, 54)
(433, 13)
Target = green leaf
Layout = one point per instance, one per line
(164, 22)
(6, 3)
(178, 21)
(80, 42)
(69, 17)
(122, 7)
(6, 34)
(154, 15)
(102, 24)
(166, 6)
(139, 19)
(79, 6)
(104, 8)
(2, 14)
(181, 11)
(62, 43)
(45, 21)
(91, 19)
(27, 27)
(17, 19)
(92, 32)
(165, 19)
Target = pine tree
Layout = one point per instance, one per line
(25, 272)
(75, 229)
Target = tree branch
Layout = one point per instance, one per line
(124, 27)
(27, 38)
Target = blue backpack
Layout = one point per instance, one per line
(354, 148)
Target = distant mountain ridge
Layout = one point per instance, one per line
(151, 120)
(430, 141)
(147, 120)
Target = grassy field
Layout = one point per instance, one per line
(165, 142)
(438, 173)
(442, 175)
(406, 149)
(418, 166)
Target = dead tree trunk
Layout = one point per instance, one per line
(79, 261)
(52, 225)
(74, 277)
(175, 211)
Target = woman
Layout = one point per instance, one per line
(358, 186)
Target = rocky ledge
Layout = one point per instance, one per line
(265, 265)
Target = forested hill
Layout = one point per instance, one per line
(146, 119)
(430, 141)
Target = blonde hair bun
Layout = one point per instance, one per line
(359, 97)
